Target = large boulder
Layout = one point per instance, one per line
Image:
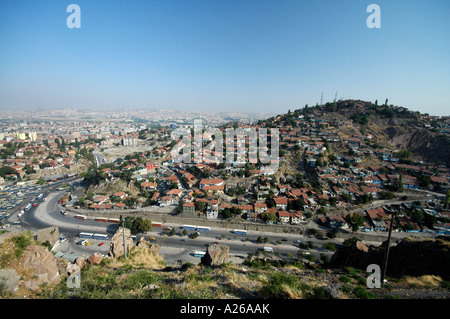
(80, 262)
(116, 247)
(41, 263)
(216, 254)
(142, 243)
(95, 259)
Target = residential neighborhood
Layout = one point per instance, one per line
(333, 174)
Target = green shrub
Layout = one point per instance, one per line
(21, 242)
(321, 293)
(274, 287)
(186, 266)
(363, 293)
(139, 279)
(345, 279)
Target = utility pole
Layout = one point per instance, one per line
(123, 234)
(386, 252)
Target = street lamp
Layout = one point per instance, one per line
(123, 234)
(386, 253)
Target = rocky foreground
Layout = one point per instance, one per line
(29, 270)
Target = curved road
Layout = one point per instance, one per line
(175, 249)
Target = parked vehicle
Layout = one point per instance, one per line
(268, 249)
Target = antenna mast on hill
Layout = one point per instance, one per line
(321, 99)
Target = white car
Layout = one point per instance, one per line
(6, 226)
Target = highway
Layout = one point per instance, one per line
(175, 249)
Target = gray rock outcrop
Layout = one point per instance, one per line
(9, 280)
(116, 247)
(216, 254)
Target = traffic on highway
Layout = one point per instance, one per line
(83, 235)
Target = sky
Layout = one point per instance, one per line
(223, 55)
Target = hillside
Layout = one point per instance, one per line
(409, 257)
(392, 127)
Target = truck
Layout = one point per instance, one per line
(268, 249)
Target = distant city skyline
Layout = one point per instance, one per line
(266, 56)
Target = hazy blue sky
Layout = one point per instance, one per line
(246, 55)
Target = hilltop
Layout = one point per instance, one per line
(393, 127)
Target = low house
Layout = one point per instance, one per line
(174, 192)
(297, 218)
(213, 188)
(100, 199)
(189, 208)
(376, 218)
(260, 207)
(147, 186)
(211, 182)
(212, 211)
(283, 216)
(407, 224)
(120, 195)
(336, 221)
(281, 202)
(246, 209)
(166, 200)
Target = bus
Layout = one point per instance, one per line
(240, 232)
(85, 235)
(93, 236)
(202, 228)
(28, 207)
(82, 217)
(157, 224)
(101, 219)
(114, 220)
(198, 253)
(40, 197)
(100, 236)
(190, 227)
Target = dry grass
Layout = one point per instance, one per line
(423, 281)
(139, 258)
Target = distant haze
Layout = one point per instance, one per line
(247, 56)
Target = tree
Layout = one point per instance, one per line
(225, 213)
(268, 217)
(354, 221)
(200, 206)
(297, 204)
(138, 224)
(350, 241)
(6, 170)
(142, 224)
(425, 180)
(404, 154)
(180, 206)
